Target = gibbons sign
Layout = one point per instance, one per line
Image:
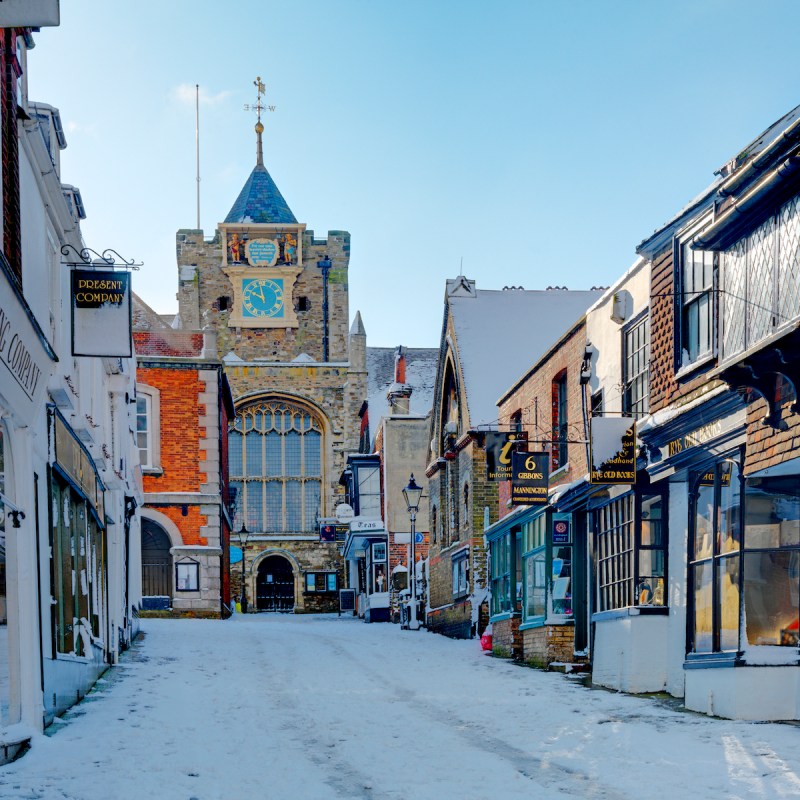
(530, 476)
(613, 450)
(499, 447)
(101, 313)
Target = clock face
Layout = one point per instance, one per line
(262, 297)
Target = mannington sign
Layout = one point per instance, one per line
(101, 313)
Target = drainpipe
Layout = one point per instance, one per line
(325, 266)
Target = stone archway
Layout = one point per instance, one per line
(275, 584)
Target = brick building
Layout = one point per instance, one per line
(183, 407)
(538, 602)
(488, 341)
(277, 299)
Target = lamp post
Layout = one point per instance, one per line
(325, 265)
(243, 534)
(412, 494)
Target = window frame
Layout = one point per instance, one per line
(312, 579)
(640, 406)
(460, 571)
(685, 299)
(534, 552)
(559, 454)
(152, 400)
(191, 570)
(617, 569)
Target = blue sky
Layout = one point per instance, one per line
(538, 141)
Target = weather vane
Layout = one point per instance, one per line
(258, 106)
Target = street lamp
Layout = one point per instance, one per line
(243, 534)
(412, 494)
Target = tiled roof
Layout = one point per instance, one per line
(260, 201)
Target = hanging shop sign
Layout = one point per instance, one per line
(26, 360)
(327, 533)
(499, 447)
(529, 479)
(561, 530)
(28, 13)
(613, 446)
(101, 313)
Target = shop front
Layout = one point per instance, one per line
(734, 552)
(367, 558)
(538, 587)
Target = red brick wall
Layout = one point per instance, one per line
(188, 525)
(533, 396)
(180, 429)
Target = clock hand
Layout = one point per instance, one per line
(260, 293)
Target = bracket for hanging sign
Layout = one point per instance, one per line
(108, 259)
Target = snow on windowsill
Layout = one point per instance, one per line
(762, 655)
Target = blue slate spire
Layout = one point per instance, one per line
(260, 200)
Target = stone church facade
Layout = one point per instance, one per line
(277, 298)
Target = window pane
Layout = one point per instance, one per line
(730, 513)
(274, 519)
(272, 442)
(703, 614)
(311, 445)
(704, 521)
(294, 509)
(255, 464)
(292, 452)
(254, 506)
(771, 587)
(235, 453)
(311, 490)
(728, 590)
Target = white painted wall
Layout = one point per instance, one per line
(630, 653)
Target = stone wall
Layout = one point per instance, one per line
(550, 643)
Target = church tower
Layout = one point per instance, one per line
(277, 298)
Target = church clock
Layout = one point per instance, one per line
(262, 298)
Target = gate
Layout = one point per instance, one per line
(156, 561)
(275, 585)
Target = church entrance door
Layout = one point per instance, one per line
(275, 585)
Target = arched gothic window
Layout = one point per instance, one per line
(275, 453)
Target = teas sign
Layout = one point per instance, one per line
(499, 447)
(101, 313)
(530, 477)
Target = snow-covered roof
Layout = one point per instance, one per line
(421, 364)
(501, 333)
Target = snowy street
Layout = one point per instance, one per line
(281, 706)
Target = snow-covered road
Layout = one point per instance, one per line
(281, 707)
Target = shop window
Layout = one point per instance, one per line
(500, 574)
(148, 426)
(460, 576)
(187, 576)
(771, 567)
(78, 575)
(630, 552)
(715, 560)
(322, 582)
(534, 559)
(636, 365)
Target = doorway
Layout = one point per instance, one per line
(156, 561)
(275, 585)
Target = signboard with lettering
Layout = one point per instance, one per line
(26, 361)
(561, 532)
(499, 447)
(101, 313)
(530, 477)
(613, 446)
(261, 252)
